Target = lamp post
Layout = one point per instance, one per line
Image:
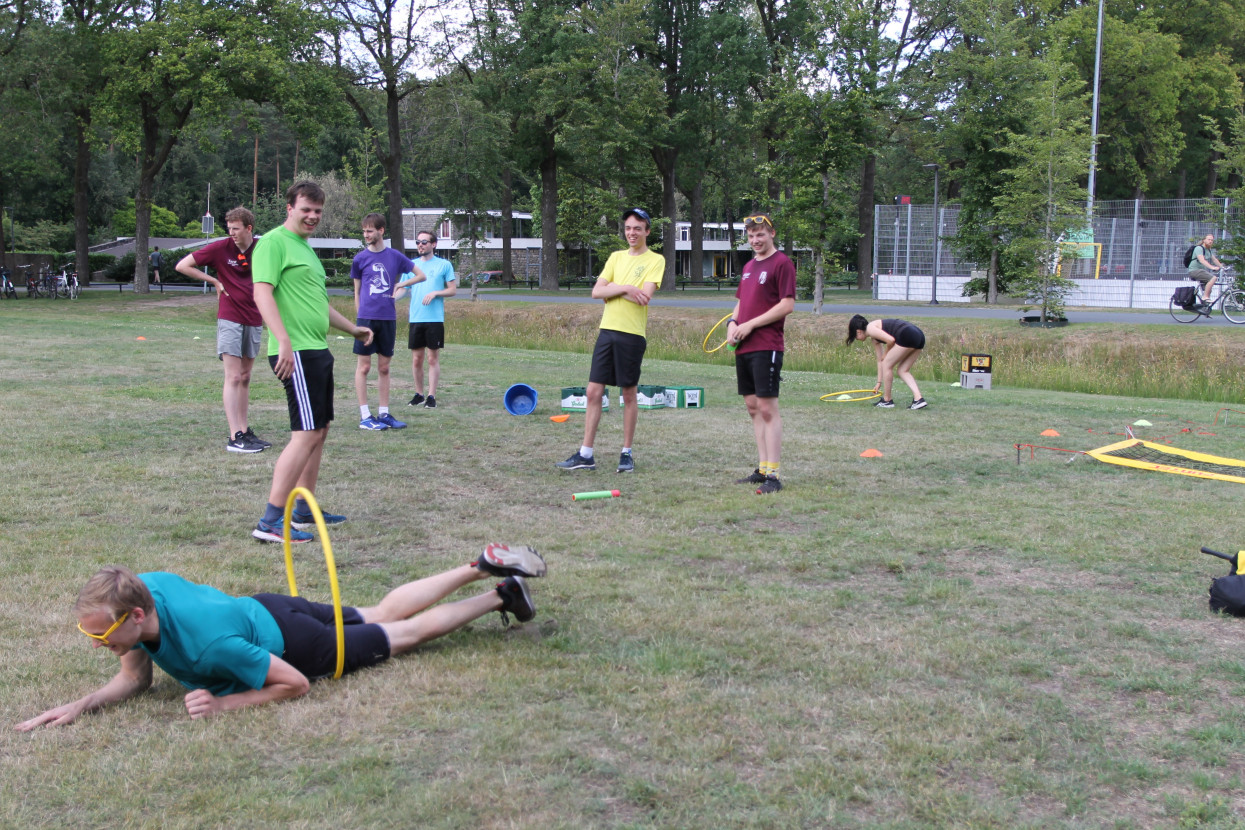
(937, 234)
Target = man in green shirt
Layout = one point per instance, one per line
(1205, 267)
(292, 297)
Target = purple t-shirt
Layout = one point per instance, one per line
(378, 272)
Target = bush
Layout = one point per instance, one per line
(337, 271)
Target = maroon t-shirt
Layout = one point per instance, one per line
(233, 268)
(763, 283)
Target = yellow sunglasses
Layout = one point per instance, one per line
(758, 219)
(103, 638)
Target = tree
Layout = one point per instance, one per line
(1041, 205)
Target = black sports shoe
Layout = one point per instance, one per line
(757, 477)
(240, 443)
(578, 462)
(255, 439)
(416, 400)
(626, 464)
(919, 403)
(510, 560)
(770, 485)
(515, 599)
(884, 404)
(430, 402)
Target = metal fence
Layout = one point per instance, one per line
(1141, 239)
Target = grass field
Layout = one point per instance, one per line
(940, 637)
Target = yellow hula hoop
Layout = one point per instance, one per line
(328, 561)
(704, 346)
(869, 395)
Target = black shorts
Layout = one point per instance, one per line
(310, 634)
(759, 373)
(910, 337)
(309, 390)
(426, 336)
(616, 359)
(384, 332)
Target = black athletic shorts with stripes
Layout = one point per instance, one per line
(758, 373)
(310, 634)
(309, 389)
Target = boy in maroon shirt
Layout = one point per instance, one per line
(239, 328)
(766, 295)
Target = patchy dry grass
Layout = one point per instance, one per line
(938, 637)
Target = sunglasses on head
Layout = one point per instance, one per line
(757, 220)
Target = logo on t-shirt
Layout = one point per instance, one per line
(380, 280)
(761, 278)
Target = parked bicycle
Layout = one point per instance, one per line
(1184, 307)
(7, 291)
(65, 285)
(34, 284)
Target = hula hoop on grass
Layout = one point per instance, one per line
(704, 346)
(853, 395)
(328, 561)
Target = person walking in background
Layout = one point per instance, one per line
(239, 326)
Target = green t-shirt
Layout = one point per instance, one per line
(1194, 265)
(208, 639)
(285, 261)
(623, 269)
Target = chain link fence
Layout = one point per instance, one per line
(1141, 240)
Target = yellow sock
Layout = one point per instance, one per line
(773, 470)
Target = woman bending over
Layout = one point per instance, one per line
(898, 344)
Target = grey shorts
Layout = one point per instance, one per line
(237, 340)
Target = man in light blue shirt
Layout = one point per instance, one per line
(427, 329)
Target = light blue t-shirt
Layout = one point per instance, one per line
(440, 274)
(208, 639)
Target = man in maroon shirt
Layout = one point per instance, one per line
(239, 327)
(766, 295)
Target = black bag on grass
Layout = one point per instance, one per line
(1185, 296)
(1227, 594)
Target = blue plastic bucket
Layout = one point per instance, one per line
(520, 399)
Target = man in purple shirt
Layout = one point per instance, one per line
(375, 272)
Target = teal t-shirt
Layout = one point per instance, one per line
(1194, 265)
(440, 274)
(285, 261)
(208, 639)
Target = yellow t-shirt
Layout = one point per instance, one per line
(620, 313)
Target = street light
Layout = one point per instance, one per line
(937, 234)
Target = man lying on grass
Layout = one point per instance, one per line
(242, 651)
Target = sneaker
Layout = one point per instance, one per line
(255, 439)
(430, 403)
(266, 532)
(306, 521)
(885, 404)
(390, 421)
(770, 485)
(515, 599)
(240, 443)
(756, 478)
(625, 463)
(373, 424)
(578, 462)
(416, 400)
(919, 403)
(510, 560)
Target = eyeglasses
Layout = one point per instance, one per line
(640, 212)
(423, 241)
(758, 219)
(103, 638)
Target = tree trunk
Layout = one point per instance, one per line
(81, 198)
(665, 158)
(992, 276)
(1182, 182)
(4, 246)
(696, 209)
(864, 221)
(819, 246)
(393, 171)
(549, 210)
(507, 223)
(1212, 176)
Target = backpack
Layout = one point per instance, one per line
(1188, 255)
(1185, 296)
(1227, 594)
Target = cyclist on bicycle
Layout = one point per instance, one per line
(1204, 266)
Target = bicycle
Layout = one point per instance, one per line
(34, 286)
(72, 286)
(6, 285)
(1231, 302)
(65, 285)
